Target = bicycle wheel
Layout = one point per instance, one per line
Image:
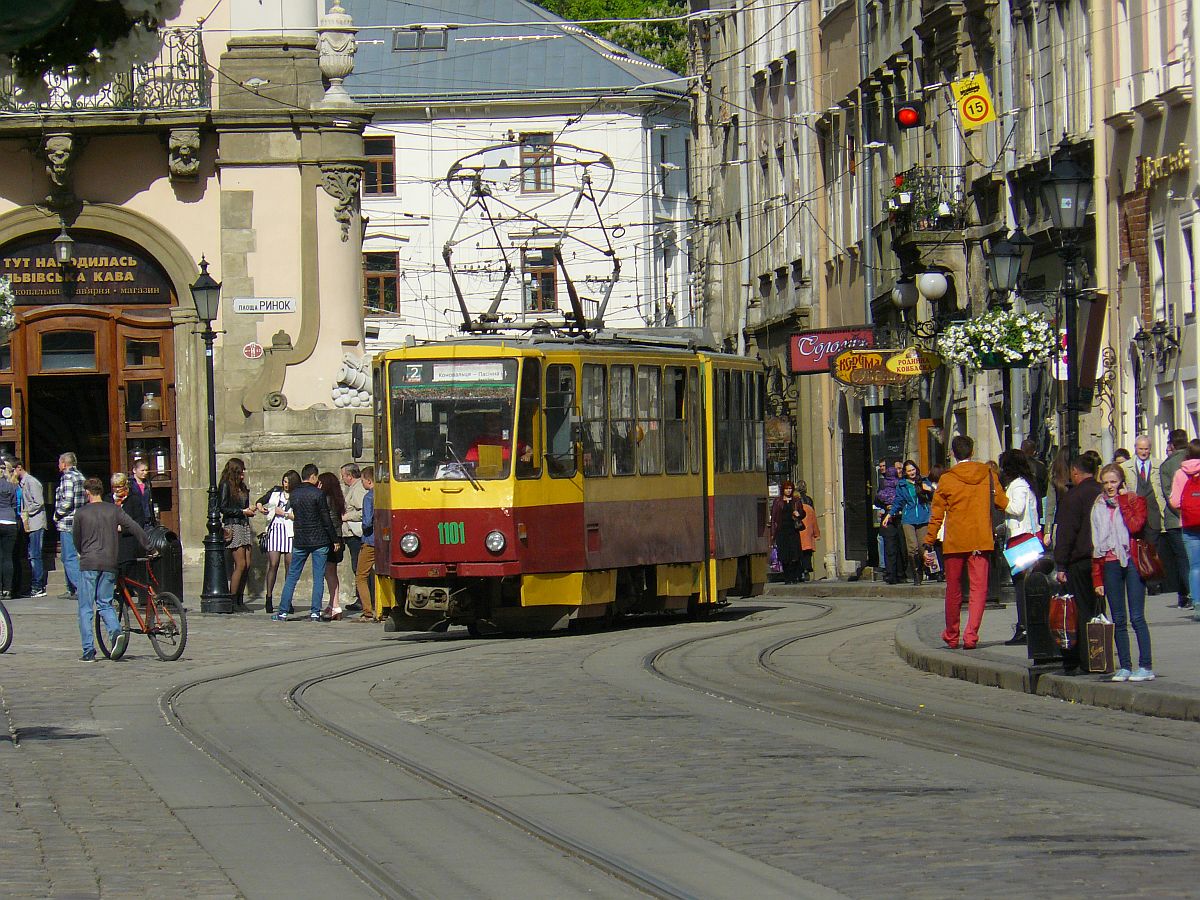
(5, 629)
(167, 627)
(108, 648)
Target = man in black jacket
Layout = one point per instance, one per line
(1073, 551)
(313, 536)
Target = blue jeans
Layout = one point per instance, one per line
(1191, 543)
(36, 563)
(300, 555)
(96, 592)
(70, 559)
(1123, 585)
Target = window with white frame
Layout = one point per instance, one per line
(1158, 275)
(1188, 257)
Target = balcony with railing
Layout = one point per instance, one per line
(176, 79)
(927, 198)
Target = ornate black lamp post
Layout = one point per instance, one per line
(1067, 193)
(214, 595)
(1006, 260)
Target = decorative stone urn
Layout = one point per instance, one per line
(336, 44)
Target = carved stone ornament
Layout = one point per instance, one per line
(336, 46)
(342, 183)
(60, 151)
(183, 144)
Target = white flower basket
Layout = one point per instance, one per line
(999, 339)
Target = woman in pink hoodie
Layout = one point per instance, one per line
(1185, 497)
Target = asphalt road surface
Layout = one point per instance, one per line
(779, 750)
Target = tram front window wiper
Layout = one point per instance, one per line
(465, 467)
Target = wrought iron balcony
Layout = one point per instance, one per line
(176, 79)
(928, 198)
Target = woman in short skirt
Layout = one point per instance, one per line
(276, 506)
(234, 499)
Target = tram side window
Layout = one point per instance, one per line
(649, 430)
(622, 427)
(529, 421)
(675, 420)
(749, 455)
(721, 418)
(383, 472)
(560, 405)
(737, 413)
(694, 434)
(595, 425)
(760, 427)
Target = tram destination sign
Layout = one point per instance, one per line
(811, 352)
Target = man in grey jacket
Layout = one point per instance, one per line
(97, 533)
(1177, 448)
(33, 517)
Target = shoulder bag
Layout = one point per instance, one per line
(1146, 558)
(999, 530)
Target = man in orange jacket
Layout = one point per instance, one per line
(964, 497)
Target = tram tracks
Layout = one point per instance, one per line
(1078, 754)
(636, 871)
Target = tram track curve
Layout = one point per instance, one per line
(635, 873)
(1044, 752)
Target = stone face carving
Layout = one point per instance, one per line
(183, 145)
(60, 151)
(336, 46)
(342, 183)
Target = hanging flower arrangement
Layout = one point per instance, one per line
(999, 339)
(8, 299)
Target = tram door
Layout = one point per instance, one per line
(68, 412)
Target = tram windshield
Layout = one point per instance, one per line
(453, 419)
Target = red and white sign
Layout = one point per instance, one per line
(811, 352)
(253, 351)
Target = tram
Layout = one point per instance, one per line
(525, 482)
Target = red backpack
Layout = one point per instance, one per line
(1189, 505)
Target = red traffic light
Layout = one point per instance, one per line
(910, 113)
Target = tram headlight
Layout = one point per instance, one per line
(495, 541)
(410, 543)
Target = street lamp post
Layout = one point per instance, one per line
(1006, 260)
(1067, 192)
(214, 595)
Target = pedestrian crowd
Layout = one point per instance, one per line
(1115, 532)
(309, 515)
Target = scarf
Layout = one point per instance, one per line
(1109, 533)
(119, 495)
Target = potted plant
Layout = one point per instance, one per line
(999, 339)
(8, 299)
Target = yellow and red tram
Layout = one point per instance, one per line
(523, 482)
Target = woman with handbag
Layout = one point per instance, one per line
(787, 521)
(1118, 517)
(914, 495)
(276, 541)
(1020, 523)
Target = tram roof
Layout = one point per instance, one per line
(682, 341)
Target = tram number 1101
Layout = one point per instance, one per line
(451, 533)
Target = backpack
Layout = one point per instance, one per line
(1189, 505)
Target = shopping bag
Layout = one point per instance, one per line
(1100, 633)
(1023, 555)
(774, 566)
(1063, 620)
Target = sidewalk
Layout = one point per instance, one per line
(1174, 694)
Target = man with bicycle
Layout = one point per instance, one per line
(97, 534)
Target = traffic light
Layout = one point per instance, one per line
(910, 114)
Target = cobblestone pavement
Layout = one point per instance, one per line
(90, 812)
(866, 817)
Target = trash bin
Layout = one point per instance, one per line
(1040, 586)
(168, 565)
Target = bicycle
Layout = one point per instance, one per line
(159, 615)
(5, 628)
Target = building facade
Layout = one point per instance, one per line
(226, 148)
(516, 162)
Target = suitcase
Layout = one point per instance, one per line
(1099, 658)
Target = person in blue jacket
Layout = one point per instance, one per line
(914, 494)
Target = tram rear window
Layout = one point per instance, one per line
(452, 419)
